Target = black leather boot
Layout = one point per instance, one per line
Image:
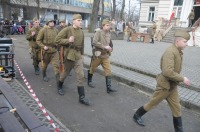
(37, 70)
(108, 85)
(152, 41)
(60, 88)
(178, 124)
(82, 98)
(90, 84)
(45, 78)
(137, 116)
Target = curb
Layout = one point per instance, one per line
(185, 103)
(191, 87)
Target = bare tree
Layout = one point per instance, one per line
(102, 10)
(38, 8)
(94, 16)
(114, 9)
(6, 8)
(122, 9)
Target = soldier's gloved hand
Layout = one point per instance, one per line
(46, 48)
(186, 81)
(71, 39)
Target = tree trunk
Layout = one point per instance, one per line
(102, 13)
(114, 9)
(94, 16)
(38, 8)
(6, 9)
(122, 10)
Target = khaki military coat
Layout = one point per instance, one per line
(191, 15)
(100, 40)
(46, 37)
(153, 28)
(32, 39)
(72, 51)
(171, 65)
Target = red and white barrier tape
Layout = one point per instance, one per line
(36, 98)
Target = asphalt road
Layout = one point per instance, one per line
(108, 113)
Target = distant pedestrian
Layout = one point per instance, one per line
(130, 30)
(166, 88)
(191, 18)
(34, 48)
(46, 41)
(153, 31)
(102, 48)
(72, 41)
(23, 25)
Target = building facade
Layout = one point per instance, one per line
(56, 9)
(152, 10)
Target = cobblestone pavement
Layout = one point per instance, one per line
(24, 95)
(138, 63)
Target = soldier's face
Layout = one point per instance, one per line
(51, 24)
(36, 23)
(182, 43)
(106, 27)
(77, 23)
(62, 24)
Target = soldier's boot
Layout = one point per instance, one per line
(108, 85)
(137, 117)
(45, 78)
(177, 124)
(82, 98)
(90, 84)
(60, 88)
(37, 70)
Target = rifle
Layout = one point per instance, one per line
(61, 59)
(42, 57)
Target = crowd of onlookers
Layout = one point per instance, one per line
(12, 27)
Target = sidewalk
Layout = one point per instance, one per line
(137, 64)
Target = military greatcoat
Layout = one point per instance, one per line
(167, 80)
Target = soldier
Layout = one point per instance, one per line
(46, 41)
(102, 48)
(34, 48)
(72, 41)
(153, 31)
(62, 24)
(171, 63)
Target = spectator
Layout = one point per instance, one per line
(23, 25)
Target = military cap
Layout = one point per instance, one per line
(35, 19)
(77, 16)
(105, 21)
(49, 20)
(62, 21)
(182, 34)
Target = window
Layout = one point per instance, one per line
(178, 8)
(178, 2)
(151, 13)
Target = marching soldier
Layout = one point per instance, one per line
(72, 41)
(46, 41)
(34, 48)
(171, 63)
(62, 24)
(102, 48)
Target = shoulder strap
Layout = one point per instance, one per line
(46, 35)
